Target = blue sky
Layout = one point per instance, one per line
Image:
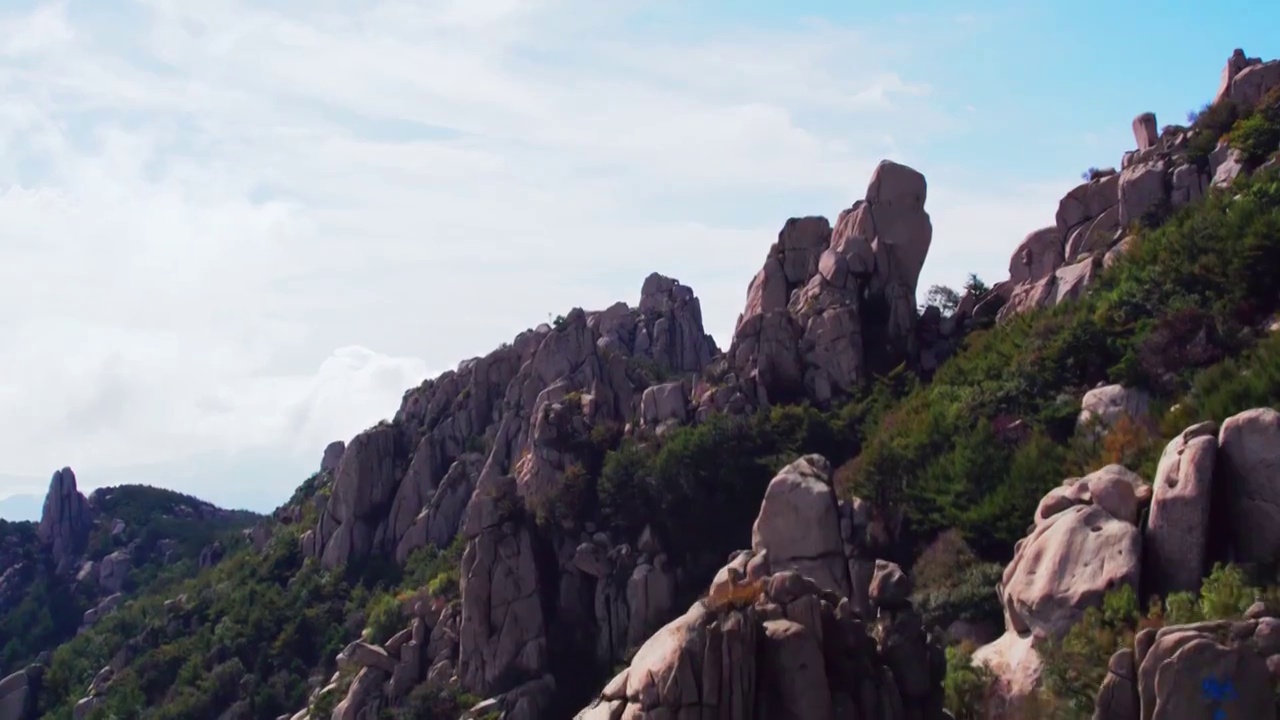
(235, 230)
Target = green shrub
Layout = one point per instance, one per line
(1073, 668)
(384, 618)
(1225, 593)
(966, 686)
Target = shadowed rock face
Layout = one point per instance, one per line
(66, 520)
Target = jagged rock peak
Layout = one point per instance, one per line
(399, 486)
(66, 519)
(1093, 222)
(830, 304)
(332, 456)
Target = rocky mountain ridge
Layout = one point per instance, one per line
(491, 457)
(86, 554)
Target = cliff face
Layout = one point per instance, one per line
(403, 484)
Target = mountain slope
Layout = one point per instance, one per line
(88, 554)
(527, 522)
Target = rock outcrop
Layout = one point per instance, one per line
(502, 633)
(1213, 499)
(769, 642)
(1180, 672)
(66, 520)
(831, 304)
(1056, 264)
(18, 694)
(403, 484)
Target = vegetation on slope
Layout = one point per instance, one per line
(251, 637)
(50, 608)
(977, 448)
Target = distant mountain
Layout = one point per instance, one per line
(16, 508)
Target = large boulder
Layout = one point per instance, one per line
(1206, 670)
(502, 632)
(1144, 131)
(18, 694)
(1040, 253)
(1066, 566)
(770, 641)
(1177, 532)
(1106, 405)
(1249, 454)
(776, 646)
(799, 526)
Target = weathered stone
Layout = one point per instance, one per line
(1177, 533)
(66, 519)
(1144, 130)
(799, 526)
(1250, 458)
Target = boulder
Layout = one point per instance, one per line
(1177, 532)
(1144, 131)
(1253, 82)
(114, 570)
(502, 632)
(890, 587)
(1143, 189)
(332, 456)
(1118, 697)
(1107, 404)
(1067, 564)
(1249, 453)
(799, 526)
(18, 694)
(1039, 254)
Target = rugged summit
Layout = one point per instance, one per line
(402, 484)
(65, 522)
(528, 525)
(830, 305)
(1097, 219)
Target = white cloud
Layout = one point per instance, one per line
(200, 201)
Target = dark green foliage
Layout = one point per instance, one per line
(1209, 125)
(267, 620)
(701, 485)
(953, 584)
(251, 630)
(50, 608)
(48, 613)
(430, 703)
(1248, 381)
(965, 686)
(644, 372)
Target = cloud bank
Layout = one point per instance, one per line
(233, 229)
